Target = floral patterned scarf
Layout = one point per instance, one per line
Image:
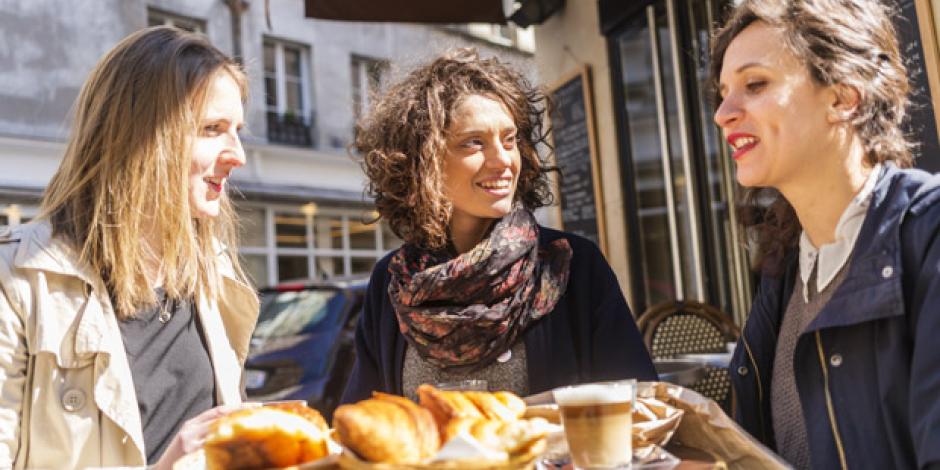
(463, 312)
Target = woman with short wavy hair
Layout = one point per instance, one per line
(479, 290)
(124, 315)
(839, 350)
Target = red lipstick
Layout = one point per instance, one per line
(746, 146)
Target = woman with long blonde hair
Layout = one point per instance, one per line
(124, 315)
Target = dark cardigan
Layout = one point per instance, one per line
(590, 335)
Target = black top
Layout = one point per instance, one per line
(170, 367)
(589, 336)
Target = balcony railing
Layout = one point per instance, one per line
(291, 129)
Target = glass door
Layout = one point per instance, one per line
(682, 228)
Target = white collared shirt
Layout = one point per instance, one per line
(833, 256)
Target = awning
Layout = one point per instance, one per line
(408, 11)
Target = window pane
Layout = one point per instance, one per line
(252, 227)
(328, 232)
(292, 267)
(362, 265)
(390, 241)
(269, 57)
(330, 266)
(270, 91)
(291, 230)
(294, 98)
(154, 20)
(292, 61)
(256, 266)
(361, 236)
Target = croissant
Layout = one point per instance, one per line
(447, 405)
(387, 428)
(456, 411)
(503, 406)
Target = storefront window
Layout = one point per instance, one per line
(328, 231)
(252, 226)
(361, 235)
(291, 268)
(290, 230)
(310, 242)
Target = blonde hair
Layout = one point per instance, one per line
(121, 193)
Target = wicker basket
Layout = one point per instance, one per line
(524, 460)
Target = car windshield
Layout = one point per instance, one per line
(291, 313)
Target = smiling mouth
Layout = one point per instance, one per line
(214, 183)
(499, 187)
(741, 144)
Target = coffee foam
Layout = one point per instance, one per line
(593, 394)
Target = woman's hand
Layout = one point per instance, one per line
(192, 434)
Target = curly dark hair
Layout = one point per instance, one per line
(402, 140)
(851, 42)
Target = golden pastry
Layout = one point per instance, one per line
(387, 428)
(266, 437)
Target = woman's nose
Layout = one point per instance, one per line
(499, 157)
(728, 113)
(234, 154)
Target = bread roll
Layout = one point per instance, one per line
(266, 437)
(387, 428)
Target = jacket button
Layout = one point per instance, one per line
(887, 272)
(835, 360)
(73, 400)
(742, 370)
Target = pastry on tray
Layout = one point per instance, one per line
(395, 430)
(387, 428)
(270, 436)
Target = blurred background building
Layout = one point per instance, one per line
(302, 201)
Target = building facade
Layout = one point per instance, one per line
(301, 194)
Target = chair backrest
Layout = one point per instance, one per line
(689, 327)
(685, 327)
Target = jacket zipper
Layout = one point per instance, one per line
(760, 388)
(830, 408)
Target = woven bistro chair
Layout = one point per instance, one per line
(673, 328)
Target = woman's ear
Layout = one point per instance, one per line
(845, 102)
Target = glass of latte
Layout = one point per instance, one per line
(598, 421)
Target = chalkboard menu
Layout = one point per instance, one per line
(573, 136)
(922, 126)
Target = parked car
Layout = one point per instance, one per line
(302, 347)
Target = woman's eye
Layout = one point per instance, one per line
(211, 129)
(510, 142)
(756, 86)
(472, 143)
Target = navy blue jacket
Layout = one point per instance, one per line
(589, 336)
(868, 367)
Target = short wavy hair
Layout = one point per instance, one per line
(850, 42)
(403, 139)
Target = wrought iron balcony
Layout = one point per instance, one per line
(291, 129)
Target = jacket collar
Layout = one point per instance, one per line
(874, 278)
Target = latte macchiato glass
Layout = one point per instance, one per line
(598, 421)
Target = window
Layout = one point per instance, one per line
(157, 17)
(366, 79)
(285, 93)
(310, 242)
(16, 214)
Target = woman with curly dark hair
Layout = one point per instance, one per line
(479, 290)
(838, 365)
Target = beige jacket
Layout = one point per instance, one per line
(67, 399)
